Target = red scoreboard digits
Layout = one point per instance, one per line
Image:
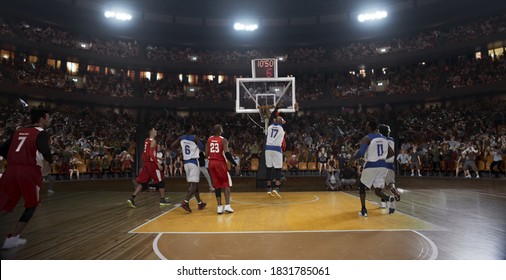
(264, 68)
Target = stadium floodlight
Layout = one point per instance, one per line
(372, 16)
(245, 27)
(118, 15)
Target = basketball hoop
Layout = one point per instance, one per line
(265, 111)
(262, 95)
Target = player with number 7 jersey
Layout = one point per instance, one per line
(25, 152)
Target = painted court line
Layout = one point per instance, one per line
(433, 256)
(316, 198)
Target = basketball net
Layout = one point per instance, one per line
(265, 113)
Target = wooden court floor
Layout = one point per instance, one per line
(436, 219)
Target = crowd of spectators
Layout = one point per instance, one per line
(439, 136)
(326, 138)
(5, 29)
(479, 121)
(57, 35)
(82, 134)
(104, 139)
(22, 72)
(329, 139)
(469, 72)
(116, 85)
(300, 55)
(407, 79)
(42, 76)
(414, 79)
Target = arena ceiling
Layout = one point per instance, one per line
(282, 22)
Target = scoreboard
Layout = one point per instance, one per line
(264, 68)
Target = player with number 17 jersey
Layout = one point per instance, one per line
(273, 146)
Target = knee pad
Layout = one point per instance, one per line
(161, 185)
(361, 188)
(27, 214)
(217, 192)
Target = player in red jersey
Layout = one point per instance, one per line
(25, 151)
(151, 169)
(217, 149)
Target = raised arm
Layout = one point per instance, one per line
(175, 143)
(363, 147)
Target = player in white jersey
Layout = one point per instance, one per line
(375, 150)
(191, 146)
(274, 154)
(390, 176)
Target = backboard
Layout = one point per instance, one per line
(254, 92)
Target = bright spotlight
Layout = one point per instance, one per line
(372, 16)
(118, 15)
(245, 27)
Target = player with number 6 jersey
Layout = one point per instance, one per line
(191, 147)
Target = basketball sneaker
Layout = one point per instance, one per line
(275, 193)
(229, 209)
(202, 205)
(363, 212)
(186, 206)
(383, 205)
(220, 209)
(391, 205)
(164, 202)
(13, 241)
(270, 193)
(131, 203)
(396, 193)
